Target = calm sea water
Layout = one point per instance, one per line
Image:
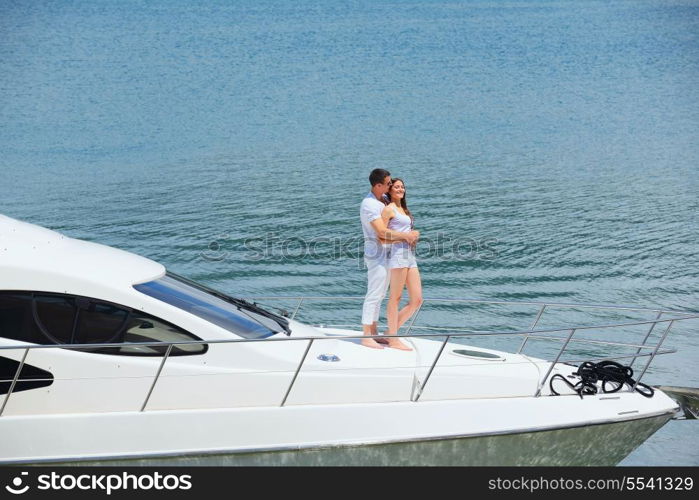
(549, 148)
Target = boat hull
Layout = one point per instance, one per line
(595, 445)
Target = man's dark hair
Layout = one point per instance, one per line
(377, 176)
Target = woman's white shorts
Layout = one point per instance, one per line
(401, 255)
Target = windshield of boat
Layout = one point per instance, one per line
(243, 318)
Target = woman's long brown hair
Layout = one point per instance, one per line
(403, 201)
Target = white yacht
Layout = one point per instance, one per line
(106, 357)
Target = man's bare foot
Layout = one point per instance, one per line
(399, 344)
(371, 343)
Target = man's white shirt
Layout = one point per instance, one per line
(369, 211)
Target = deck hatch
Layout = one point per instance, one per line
(477, 354)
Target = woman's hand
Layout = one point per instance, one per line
(417, 237)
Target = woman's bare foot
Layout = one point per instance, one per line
(369, 342)
(399, 344)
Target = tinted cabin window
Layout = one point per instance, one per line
(100, 323)
(56, 316)
(17, 318)
(65, 319)
(144, 328)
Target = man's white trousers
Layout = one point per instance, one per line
(377, 284)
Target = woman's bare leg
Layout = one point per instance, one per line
(414, 285)
(398, 279)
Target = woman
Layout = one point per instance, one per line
(402, 265)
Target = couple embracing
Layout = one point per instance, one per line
(389, 255)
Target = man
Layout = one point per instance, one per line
(375, 256)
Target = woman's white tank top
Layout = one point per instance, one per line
(400, 222)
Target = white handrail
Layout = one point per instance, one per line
(531, 333)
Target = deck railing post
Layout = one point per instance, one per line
(531, 328)
(652, 356)
(157, 376)
(434, 363)
(14, 380)
(298, 369)
(293, 315)
(560, 353)
(645, 339)
(412, 322)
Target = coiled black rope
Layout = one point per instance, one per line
(613, 376)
